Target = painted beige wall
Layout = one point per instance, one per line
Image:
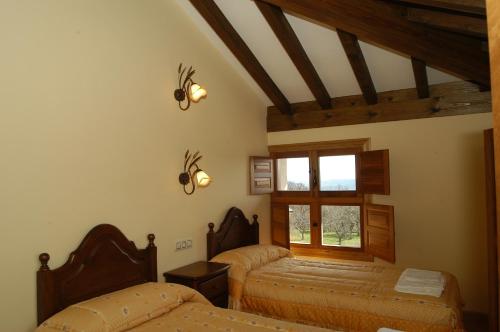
(437, 189)
(90, 133)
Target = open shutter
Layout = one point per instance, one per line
(379, 231)
(261, 175)
(374, 172)
(280, 234)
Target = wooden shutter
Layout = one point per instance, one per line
(379, 231)
(280, 234)
(261, 175)
(374, 175)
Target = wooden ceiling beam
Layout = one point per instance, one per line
(469, 25)
(421, 81)
(358, 64)
(291, 43)
(448, 99)
(221, 25)
(381, 23)
(477, 7)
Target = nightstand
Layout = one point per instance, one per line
(210, 279)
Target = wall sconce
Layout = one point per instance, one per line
(188, 90)
(192, 174)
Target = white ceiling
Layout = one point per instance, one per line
(390, 71)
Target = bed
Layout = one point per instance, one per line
(107, 284)
(342, 295)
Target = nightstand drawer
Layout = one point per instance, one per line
(214, 287)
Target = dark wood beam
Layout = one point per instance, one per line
(468, 25)
(456, 98)
(358, 64)
(221, 25)
(421, 81)
(290, 42)
(381, 23)
(477, 7)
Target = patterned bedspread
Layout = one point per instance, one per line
(346, 296)
(160, 307)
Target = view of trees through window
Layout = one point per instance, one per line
(340, 226)
(300, 223)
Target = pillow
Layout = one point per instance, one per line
(244, 260)
(252, 257)
(121, 310)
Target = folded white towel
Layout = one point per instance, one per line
(421, 282)
(422, 275)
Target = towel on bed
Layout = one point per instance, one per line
(421, 282)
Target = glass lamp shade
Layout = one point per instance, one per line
(203, 179)
(197, 92)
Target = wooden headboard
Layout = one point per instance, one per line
(105, 261)
(235, 231)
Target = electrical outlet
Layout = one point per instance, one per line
(183, 244)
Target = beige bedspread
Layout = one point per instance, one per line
(198, 317)
(159, 307)
(346, 296)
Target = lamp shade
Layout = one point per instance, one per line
(197, 92)
(202, 178)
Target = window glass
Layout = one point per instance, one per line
(337, 173)
(340, 226)
(293, 174)
(300, 223)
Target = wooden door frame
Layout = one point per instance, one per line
(493, 12)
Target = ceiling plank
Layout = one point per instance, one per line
(358, 64)
(421, 81)
(477, 7)
(447, 99)
(291, 43)
(381, 23)
(469, 25)
(221, 25)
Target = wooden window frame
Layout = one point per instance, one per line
(315, 198)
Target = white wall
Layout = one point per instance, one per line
(90, 133)
(437, 189)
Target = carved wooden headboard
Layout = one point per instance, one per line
(105, 261)
(235, 231)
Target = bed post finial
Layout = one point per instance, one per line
(44, 259)
(255, 217)
(211, 227)
(151, 240)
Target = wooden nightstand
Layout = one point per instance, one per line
(210, 279)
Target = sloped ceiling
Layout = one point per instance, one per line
(389, 70)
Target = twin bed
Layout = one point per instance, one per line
(108, 284)
(338, 295)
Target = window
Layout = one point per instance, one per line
(341, 225)
(300, 223)
(338, 173)
(293, 174)
(319, 205)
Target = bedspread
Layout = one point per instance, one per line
(197, 317)
(352, 296)
(159, 307)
